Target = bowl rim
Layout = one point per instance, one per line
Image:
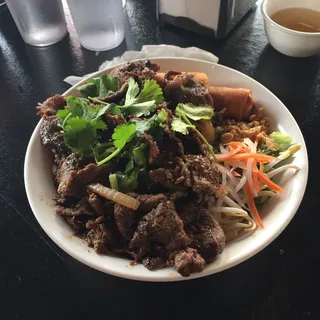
(282, 28)
(149, 277)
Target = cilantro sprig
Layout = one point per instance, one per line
(154, 122)
(128, 180)
(111, 108)
(80, 124)
(136, 103)
(122, 134)
(181, 121)
(143, 103)
(99, 87)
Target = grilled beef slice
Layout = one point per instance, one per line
(127, 219)
(81, 208)
(187, 261)
(194, 171)
(183, 88)
(170, 146)
(51, 105)
(206, 236)
(100, 205)
(103, 237)
(52, 139)
(165, 178)
(204, 177)
(141, 70)
(149, 201)
(74, 175)
(161, 226)
(78, 223)
(189, 210)
(153, 147)
(153, 263)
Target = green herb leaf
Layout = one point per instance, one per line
(129, 167)
(122, 134)
(132, 92)
(136, 158)
(138, 104)
(99, 86)
(88, 89)
(98, 124)
(162, 115)
(154, 122)
(108, 84)
(62, 114)
(139, 155)
(150, 91)
(111, 108)
(196, 112)
(142, 126)
(76, 106)
(90, 112)
(129, 182)
(101, 152)
(140, 109)
(79, 135)
(102, 111)
(179, 125)
(80, 123)
(80, 108)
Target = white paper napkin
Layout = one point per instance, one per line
(152, 51)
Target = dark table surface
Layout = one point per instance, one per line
(38, 280)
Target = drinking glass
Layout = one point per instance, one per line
(40, 22)
(99, 23)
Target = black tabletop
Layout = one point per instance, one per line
(38, 280)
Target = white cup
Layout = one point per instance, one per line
(290, 42)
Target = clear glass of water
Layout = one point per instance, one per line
(99, 23)
(40, 22)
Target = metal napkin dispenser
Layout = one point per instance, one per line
(214, 18)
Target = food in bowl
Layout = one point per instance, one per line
(161, 167)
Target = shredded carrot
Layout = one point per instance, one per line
(221, 157)
(236, 144)
(255, 181)
(244, 156)
(236, 174)
(266, 180)
(255, 177)
(261, 167)
(245, 150)
(252, 205)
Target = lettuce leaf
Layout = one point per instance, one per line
(281, 139)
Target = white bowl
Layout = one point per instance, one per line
(276, 214)
(290, 42)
